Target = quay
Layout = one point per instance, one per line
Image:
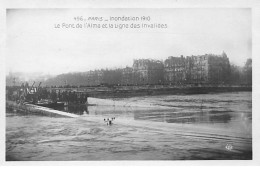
(38, 110)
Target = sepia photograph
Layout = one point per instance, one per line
(128, 84)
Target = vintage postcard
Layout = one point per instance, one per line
(124, 83)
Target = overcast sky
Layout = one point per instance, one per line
(34, 45)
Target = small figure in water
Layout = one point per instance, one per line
(109, 120)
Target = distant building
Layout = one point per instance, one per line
(175, 70)
(197, 69)
(147, 71)
(202, 69)
(95, 77)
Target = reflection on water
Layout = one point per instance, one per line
(180, 117)
(195, 109)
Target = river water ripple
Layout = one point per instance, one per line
(190, 127)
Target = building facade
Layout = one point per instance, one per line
(95, 77)
(201, 69)
(147, 71)
(197, 69)
(175, 70)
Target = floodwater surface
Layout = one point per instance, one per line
(183, 127)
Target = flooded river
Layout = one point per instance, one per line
(183, 127)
